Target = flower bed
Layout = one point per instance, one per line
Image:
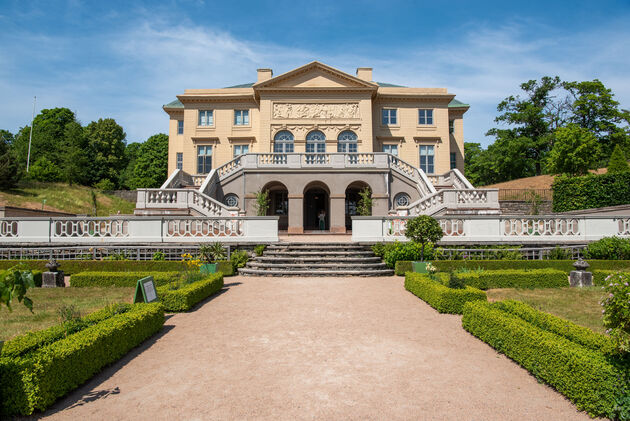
(38, 368)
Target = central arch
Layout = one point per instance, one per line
(278, 203)
(316, 200)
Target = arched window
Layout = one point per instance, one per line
(283, 142)
(315, 142)
(347, 142)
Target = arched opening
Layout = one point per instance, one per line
(352, 201)
(316, 206)
(278, 203)
(283, 142)
(315, 147)
(347, 143)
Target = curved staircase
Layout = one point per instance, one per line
(316, 259)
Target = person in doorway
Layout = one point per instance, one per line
(322, 219)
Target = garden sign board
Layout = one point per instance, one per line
(145, 291)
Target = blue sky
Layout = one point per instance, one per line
(125, 59)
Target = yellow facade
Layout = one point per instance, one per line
(316, 97)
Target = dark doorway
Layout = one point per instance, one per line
(279, 204)
(352, 201)
(315, 200)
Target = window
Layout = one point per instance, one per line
(425, 116)
(231, 200)
(453, 160)
(451, 126)
(180, 126)
(315, 142)
(204, 159)
(392, 149)
(402, 200)
(389, 116)
(283, 142)
(240, 150)
(205, 118)
(426, 159)
(347, 142)
(241, 117)
(180, 160)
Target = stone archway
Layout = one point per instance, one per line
(278, 203)
(352, 200)
(316, 199)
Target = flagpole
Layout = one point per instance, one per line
(30, 137)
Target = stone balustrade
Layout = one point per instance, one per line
(136, 230)
(460, 199)
(480, 229)
(182, 199)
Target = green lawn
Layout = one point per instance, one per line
(579, 305)
(65, 198)
(47, 302)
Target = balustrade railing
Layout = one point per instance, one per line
(182, 199)
(454, 199)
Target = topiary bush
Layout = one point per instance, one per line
(590, 191)
(608, 248)
(440, 297)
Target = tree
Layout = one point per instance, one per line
(106, 146)
(10, 168)
(618, 163)
(262, 202)
(423, 229)
(132, 150)
(574, 152)
(364, 207)
(151, 165)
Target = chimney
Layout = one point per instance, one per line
(364, 73)
(264, 74)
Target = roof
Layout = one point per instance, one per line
(383, 84)
(174, 104)
(243, 85)
(457, 104)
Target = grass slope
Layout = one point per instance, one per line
(65, 198)
(46, 303)
(579, 305)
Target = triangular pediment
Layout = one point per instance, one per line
(315, 75)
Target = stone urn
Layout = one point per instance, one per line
(580, 277)
(53, 277)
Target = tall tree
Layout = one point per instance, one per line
(575, 151)
(106, 147)
(10, 168)
(151, 165)
(618, 163)
(132, 150)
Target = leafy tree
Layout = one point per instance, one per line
(618, 163)
(75, 158)
(475, 163)
(132, 150)
(151, 165)
(45, 170)
(10, 168)
(574, 152)
(423, 229)
(106, 146)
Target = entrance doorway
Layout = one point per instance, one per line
(278, 203)
(316, 199)
(352, 201)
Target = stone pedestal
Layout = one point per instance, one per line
(580, 277)
(53, 279)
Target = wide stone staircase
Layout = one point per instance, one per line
(316, 259)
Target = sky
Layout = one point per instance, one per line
(125, 59)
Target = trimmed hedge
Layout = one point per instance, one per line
(594, 381)
(184, 298)
(120, 279)
(38, 377)
(226, 268)
(566, 265)
(590, 191)
(440, 297)
(599, 276)
(537, 278)
(402, 267)
(76, 266)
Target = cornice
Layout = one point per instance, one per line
(308, 67)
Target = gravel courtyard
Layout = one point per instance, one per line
(314, 348)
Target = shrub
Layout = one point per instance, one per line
(424, 230)
(616, 305)
(609, 248)
(405, 251)
(618, 163)
(34, 380)
(440, 297)
(558, 253)
(515, 278)
(594, 381)
(402, 267)
(238, 259)
(564, 265)
(590, 191)
(105, 185)
(120, 279)
(158, 256)
(45, 170)
(379, 249)
(364, 206)
(212, 253)
(455, 281)
(76, 266)
(225, 267)
(185, 297)
(260, 249)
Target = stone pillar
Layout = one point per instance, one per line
(296, 214)
(338, 213)
(580, 277)
(53, 277)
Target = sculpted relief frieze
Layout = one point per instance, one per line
(315, 111)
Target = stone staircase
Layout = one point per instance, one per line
(316, 259)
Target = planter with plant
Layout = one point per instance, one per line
(423, 230)
(210, 255)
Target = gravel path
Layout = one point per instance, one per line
(314, 348)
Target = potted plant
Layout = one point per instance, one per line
(210, 255)
(422, 230)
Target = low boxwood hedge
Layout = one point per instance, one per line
(120, 279)
(75, 266)
(184, 298)
(537, 278)
(565, 358)
(402, 267)
(35, 376)
(440, 297)
(565, 265)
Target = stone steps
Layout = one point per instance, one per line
(316, 259)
